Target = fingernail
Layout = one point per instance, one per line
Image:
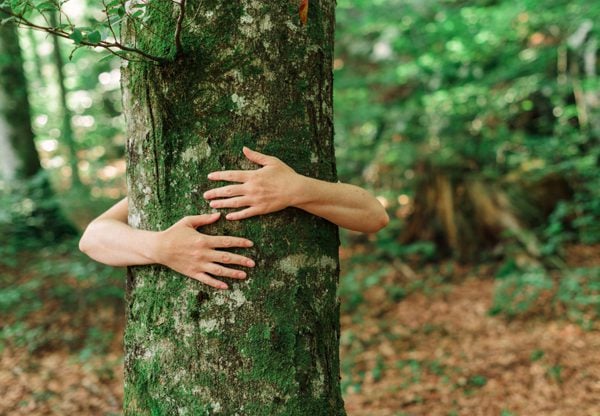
(250, 263)
(249, 243)
(211, 175)
(242, 275)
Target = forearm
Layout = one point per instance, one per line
(343, 204)
(115, 243)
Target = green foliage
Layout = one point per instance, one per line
(536, 355)
(520, 291)
(477, 380)
(31, 217)
(487, 88)
(40, 286)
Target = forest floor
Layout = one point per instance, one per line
(436, 351)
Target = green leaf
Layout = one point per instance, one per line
(106, 57)
(76, 35)
(94, 37)
(46, 6)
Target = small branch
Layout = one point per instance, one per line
(102, 44)
(178, 47)
(108, 21)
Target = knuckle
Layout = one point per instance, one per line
(225, 257)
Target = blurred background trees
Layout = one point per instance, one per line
(476, 123)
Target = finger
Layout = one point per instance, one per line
(224, 242)
(230, 258)
(245, 213)
(199, 220)
(238, 202)
(225, 192)
(257, 157)
(229, 175)
(218, 270)
(208, 280)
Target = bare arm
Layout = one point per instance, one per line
(276, 186)
(110, 240)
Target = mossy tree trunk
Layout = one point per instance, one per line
(250, 74)
(18, 155)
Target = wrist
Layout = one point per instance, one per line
(151, 248)
(300, 191)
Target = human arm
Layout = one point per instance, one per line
(110, 240)
(276, 186)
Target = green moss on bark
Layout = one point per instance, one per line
(250, 75)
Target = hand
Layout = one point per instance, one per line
(185, 250)
(265, 190)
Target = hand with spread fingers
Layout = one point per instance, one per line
(182, 248)
(109, 239)
(268, 189)
(275, 186)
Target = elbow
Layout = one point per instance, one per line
(85, 243)
(382, 220)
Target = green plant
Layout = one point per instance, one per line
(518, 291)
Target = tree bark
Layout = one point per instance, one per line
(249, 74)
(18, 155)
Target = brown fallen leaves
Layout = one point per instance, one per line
(436, 352)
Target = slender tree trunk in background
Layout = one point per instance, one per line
(252, 75)
(36, 59)
(20, 167)
(67, 131)
(18, 156)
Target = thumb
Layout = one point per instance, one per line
(256, 157)
(196, 221)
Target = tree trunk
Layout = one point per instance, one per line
(462, 214)
(20, 167)
(68, 137)
(250, 74)
(18, 155)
